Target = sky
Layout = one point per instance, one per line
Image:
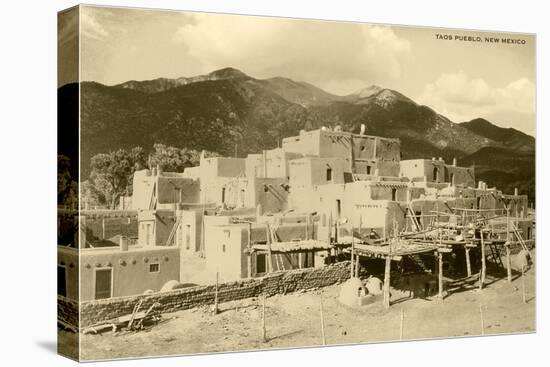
(460, 79)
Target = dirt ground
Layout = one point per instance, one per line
(293, 320)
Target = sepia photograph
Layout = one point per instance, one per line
(230, 183)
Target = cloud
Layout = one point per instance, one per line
(335, 57)
(91, 24)
(462, 98)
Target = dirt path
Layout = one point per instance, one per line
(294, 321)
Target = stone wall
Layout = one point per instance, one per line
(93, 312)
(67, 310)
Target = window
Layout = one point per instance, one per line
(338, 208)
(148, 234)
(223, 247)
(435, 175)
(452, 179)
(394, 194)
(260, 263)
(329, 174)
(154, 268)
(242, 198)
(187, 237)
(368, 170)
(62, 280)
(223, 195)
(103, 283)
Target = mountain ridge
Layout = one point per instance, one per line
(227, 108)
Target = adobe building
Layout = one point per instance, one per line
(288, 208)
(87, 273)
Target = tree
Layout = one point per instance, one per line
(67, 188)
(112, 173)
(172, 159)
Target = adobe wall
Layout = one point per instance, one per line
(93, 312)
(130, 269)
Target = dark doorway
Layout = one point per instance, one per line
(103, 280)
(260, 263)
(62, 280)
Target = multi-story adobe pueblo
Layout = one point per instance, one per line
(301, 205)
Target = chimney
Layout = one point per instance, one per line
(454, 162)
(480, 185)
(433, 158)
(440, 159)
(123, 243)
(363, 129)
(516, 191)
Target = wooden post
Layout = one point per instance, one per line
(264, 334)
(483, 265)
(468, 265)
(352, 254)
(401, 324)
(216, 295)
(523, 283)
(322, 322)
(481, 319)
(249, 263)
(440, 275)
(387, 282)
(508, 263)
(269, 258)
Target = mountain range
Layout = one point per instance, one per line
(227, 110)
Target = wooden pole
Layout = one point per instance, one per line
(483, 265)
(507, 244)
(322, 322)
(523, 283)
(440, 274)
(216, 295)
(481, 320)
(269, 257)
(357, 266)
(401, 324)
(387, 282)
(508, 263)
(249, 263)
(352, 253)
(264, 337)
(468, 265)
